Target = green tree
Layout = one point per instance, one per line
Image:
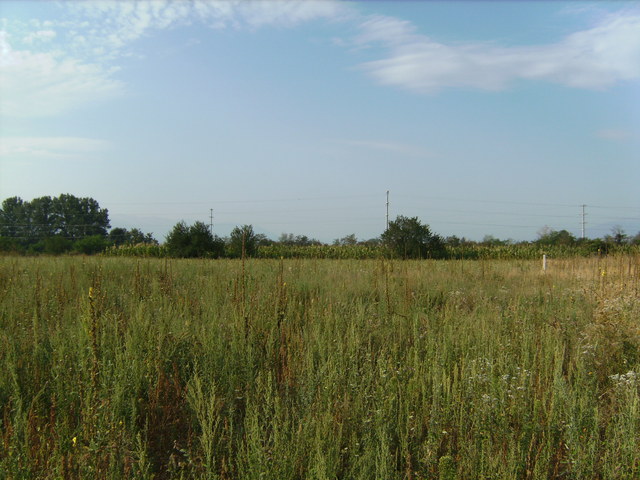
(11, 245)
(298, 240)
(346, 240)
(552, 237)
(56, 245)
(65, 216)
(40, 212)
(287, 239)
(14, 219)
(135, 236)
(194, 241)
(409, 238)
(204, 243)
(178, 241)
(243, 241)
(119, 236)
(91, 245)
(491, 241)
(618, 235)
(77, 218)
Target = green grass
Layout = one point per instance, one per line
(302, 369)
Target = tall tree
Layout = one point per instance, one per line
(409, 238)
(552, 237)
(135, 236)
(66, 216)
(79, 217)
(42, 216)
(243, 241)
(14, 218)
(618, 235)
(194, 241)
(346, 240)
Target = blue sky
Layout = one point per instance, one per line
(478, 117)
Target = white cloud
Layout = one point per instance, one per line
(387, 30)
(257, 13)
(51, 74)
(45, 84)
(12, 148)
(39, 36)
(594, 59)
(120, 23)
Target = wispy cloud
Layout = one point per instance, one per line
(50, 67)
(118, 24)
(595, 58)
(614, 134)
(15, 148)
(49, 83)
(39, 36)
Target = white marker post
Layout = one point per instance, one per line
(544, 263)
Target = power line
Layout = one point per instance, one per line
(263, 200)
(486, 224)
(508, 202)
(614, 208)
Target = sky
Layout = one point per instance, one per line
(479, 118)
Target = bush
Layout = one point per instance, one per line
(10, 245)
(54, 245)
(91, 245)
(194, 241)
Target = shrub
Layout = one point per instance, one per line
(194, 241)
(91, 245)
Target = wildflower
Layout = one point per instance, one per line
(74, 440)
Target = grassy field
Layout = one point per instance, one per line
(319, 369)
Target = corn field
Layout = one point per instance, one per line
(520, 251)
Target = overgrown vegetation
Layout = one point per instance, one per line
(121, 368)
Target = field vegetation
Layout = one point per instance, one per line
(144, 368)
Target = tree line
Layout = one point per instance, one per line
(71, 224)
(55, 225)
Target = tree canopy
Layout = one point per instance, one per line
(409, 238)
(66, 218)
(122, 236)
(552, 237)
(193, 241)
(243, 241)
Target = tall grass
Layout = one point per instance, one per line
(295, 369)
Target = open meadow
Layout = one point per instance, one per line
(121, 368)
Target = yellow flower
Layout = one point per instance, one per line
(74, 440)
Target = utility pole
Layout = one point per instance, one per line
(211, 220)
(583, 222)
(387, 209)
